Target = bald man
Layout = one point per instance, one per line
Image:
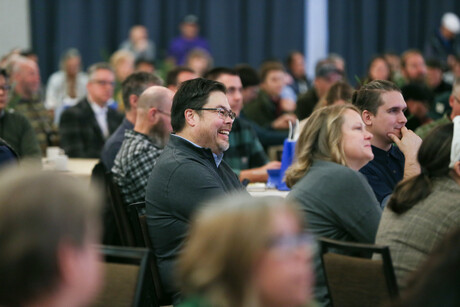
(142, 145)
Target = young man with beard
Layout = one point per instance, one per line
(382, 109)
(143, 145)
(189, 171)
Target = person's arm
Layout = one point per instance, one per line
(259, 174)
(360, 214)
(409, 144)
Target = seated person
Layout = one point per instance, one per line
(382, 109)
(143, 145)
(269, 266)
(189, 171)
(48, 239)
(266, 109)
(246, 156)
(15, 128)
(425, 207)
(176, 76)
(419, 99)
(454, 102)
(338, 201)
(132, 88)
(85, 127)
(326, 74)
(436, 281)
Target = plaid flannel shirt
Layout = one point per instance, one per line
(133, 165)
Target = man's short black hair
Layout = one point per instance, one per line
(248, 75)
(192, 94)
(216, 72)
(171, 77)
(136, 83)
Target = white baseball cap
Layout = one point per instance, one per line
(451, 22)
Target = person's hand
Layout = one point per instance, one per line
(282, 122)
(408, 144)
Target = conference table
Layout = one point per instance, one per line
(82, 168)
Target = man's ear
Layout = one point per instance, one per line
(451, 101)
(191, 117)
(133, 101)
(367, 117)
(153, 115)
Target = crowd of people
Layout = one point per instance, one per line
(375, 163)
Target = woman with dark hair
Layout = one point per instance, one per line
(425, 207)
(378, 69)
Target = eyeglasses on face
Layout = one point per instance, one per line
(103, 82)
(289, 243)
(223, 113)
(5, 87)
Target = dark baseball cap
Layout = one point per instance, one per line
(327, 71)
(190, 19)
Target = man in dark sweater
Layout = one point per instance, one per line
(189, 171)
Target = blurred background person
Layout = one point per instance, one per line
(425, 207)
(177, 75)
(15, 128)
(378, 69)
(144, 65)
(326, 74)
(66, 86)
(27, 99)
(419, 99)
(199, 60)
(48, 239)
(244, 251)
(296, 68)
(250, 81)
(122, 62)
(444, 43)
(139, 43)
(188, 40)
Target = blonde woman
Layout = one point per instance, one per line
(338, 201)
(246, 251)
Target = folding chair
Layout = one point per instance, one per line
(357, 280)
(127, 277)
(138, 220)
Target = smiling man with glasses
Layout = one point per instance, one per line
(190, 170)
(85, 127)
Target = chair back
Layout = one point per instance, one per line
(119, 210)
(352, 278)
(141, 234)
(127, 281)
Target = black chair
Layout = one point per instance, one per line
(127, 277)
(138, 219)
(357, 280)
(119, 211)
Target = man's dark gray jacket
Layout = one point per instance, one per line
(183, 178)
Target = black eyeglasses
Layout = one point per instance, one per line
(5, 87)
(223, 113)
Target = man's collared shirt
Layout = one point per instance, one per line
(384, 171)
(101, 116)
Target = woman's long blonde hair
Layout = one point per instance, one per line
(225, 240)
(320, 139)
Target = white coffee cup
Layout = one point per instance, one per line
(52, 152)
(60, 163)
